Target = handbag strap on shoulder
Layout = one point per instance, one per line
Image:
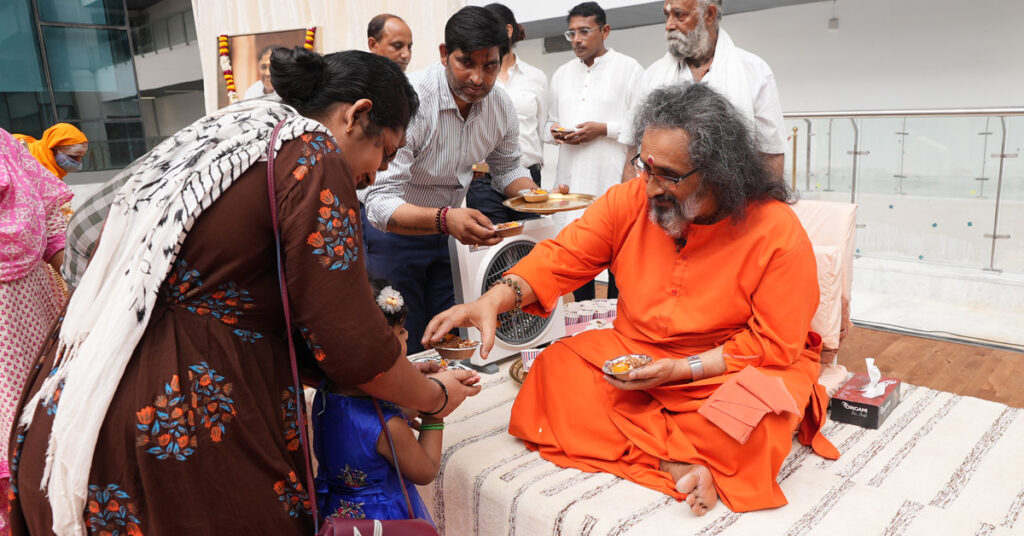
(299, 395)
(394, 456)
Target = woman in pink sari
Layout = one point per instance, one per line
(31, 235)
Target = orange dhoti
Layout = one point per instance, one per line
(576, 419)
(748, 286)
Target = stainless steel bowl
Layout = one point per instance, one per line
(634, 360)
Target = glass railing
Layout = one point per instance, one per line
(165, 33)
(942, 187)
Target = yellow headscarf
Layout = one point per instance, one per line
(55, 136)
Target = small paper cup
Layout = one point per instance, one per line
(529, 356)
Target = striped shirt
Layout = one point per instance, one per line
(435, 166)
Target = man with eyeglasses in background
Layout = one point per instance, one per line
(590, 100)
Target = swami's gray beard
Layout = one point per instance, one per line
(675, 220)
(693, 45)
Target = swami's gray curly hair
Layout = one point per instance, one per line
(721, 144)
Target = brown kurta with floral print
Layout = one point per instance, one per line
(201, 436)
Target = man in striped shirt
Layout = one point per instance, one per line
(416, 202)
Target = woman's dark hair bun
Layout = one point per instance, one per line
(297, 74)
(314, 84)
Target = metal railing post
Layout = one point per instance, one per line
(855, 152)
(1002, 155)
(903, 151)
(794, 158)
(807, 172)
(984, 158)
(828, 166)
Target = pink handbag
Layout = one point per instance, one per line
(332, 525)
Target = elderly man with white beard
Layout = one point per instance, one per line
(699, 50)
(717, 283)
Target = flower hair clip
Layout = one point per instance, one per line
(390, 300)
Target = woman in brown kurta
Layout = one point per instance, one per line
(201, 436)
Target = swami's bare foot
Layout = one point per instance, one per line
(695, 481)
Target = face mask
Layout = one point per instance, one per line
(68, 163)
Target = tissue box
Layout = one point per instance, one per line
(850, 406)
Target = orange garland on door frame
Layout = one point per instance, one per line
(225, 61)
(225, 67)
(310, 35)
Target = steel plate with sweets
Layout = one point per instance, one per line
(621, 366)
(555, 203)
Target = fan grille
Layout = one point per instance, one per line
(513, 328)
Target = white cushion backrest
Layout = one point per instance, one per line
(828, 319)
(829, 223)
(831, 227)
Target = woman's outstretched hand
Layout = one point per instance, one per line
(460, 384)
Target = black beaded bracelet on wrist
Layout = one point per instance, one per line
(445, 405)
(437, 219)
(515, 288)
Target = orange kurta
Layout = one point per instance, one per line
(53, 137)
(751, 286)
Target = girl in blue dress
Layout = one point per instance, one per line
(356, 477)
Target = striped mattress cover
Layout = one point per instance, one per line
(940, 464)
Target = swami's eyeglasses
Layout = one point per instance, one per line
(584, 33)
(664, 181)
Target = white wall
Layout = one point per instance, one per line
(175, 112)
(168, 66)
(886, 54)
(533, 10)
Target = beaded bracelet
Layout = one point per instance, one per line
(437, 219)
(515, 288)
(443, 390)
(444, 219)
(432, 426)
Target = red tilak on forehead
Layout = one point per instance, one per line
(650, 160)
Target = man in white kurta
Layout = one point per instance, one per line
(527, 86)
(700, 51)
(591, 97)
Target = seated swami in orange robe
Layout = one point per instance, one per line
(729, 279)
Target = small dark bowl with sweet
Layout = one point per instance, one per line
(454, 348)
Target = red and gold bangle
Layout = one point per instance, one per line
(444, 220)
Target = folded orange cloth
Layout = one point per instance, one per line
(740, 403)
